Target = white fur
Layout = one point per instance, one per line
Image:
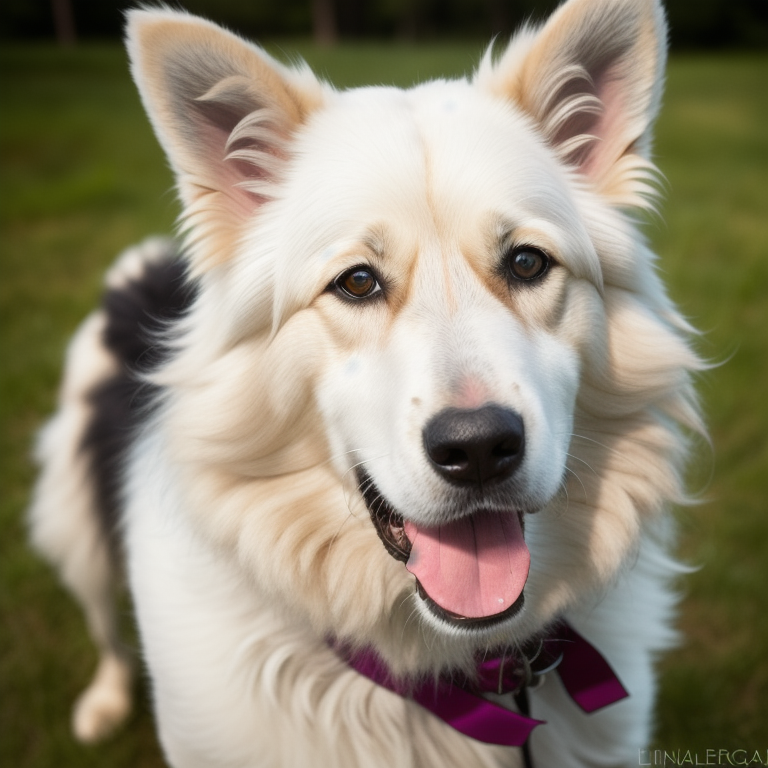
(63, 521)
(248, 542)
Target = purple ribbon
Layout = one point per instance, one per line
(586, 675)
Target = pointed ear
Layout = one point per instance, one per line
(591, 78)
(224, 111)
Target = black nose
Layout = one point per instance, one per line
(475, 446)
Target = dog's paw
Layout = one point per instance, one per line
(106, 703)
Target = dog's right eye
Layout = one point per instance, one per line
(526, 263)
(357, 283)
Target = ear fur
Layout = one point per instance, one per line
(224, 111)
(591, 78)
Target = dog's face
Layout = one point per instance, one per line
(449, 294)
(430, 314)
(446, 308)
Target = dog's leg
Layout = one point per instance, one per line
(106, 702)
(65, 527)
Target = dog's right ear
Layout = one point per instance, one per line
(591, 79)
(224, 112)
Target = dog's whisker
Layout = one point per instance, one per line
(587, 464)
(613, 451)
(576, 475)
(406, 599)
(340, 455)
(419, 625)
(359, 486)
(361, 463)
(336, 535)
(353, 500)
(564, 486)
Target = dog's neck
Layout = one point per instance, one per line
(467, 705)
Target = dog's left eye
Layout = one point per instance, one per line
(527, 263)
(358, 283)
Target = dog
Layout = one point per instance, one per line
(386, 440)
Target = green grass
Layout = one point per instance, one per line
(82, 177)
(713, 147)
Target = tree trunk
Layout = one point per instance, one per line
(324, 26)
(64, 22)
(498, 13)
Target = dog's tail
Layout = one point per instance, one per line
(81, 451)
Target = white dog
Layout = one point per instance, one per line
(393, 431)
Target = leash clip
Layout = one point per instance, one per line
(517, 671)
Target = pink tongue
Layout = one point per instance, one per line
(473, 567)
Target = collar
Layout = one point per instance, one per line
(460, 703)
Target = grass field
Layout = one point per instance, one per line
(82, 177)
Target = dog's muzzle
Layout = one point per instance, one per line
(469, 570)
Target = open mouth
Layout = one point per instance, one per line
(470, 571)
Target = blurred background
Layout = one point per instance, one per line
(82, 177)
(694, 23)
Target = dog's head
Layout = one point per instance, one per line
(431, 364)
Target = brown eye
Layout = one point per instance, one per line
(527, 263)
(358, 283)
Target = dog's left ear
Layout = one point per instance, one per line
(225, 112)
(591, 78)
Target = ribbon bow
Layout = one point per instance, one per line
(586, 675)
